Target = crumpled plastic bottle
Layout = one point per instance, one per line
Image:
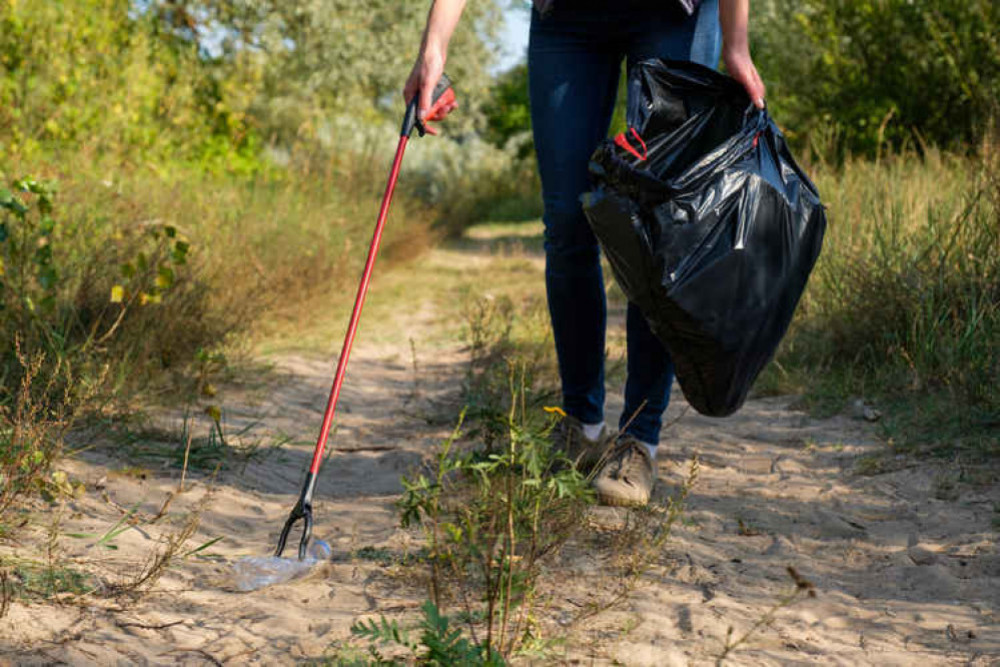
(254, 572)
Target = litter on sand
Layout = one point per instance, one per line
(251, 573)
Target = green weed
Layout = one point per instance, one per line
(492, 518)
(36, 581)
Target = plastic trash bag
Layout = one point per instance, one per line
(709, 225)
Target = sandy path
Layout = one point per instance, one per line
(903, 577)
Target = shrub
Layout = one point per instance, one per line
(846, 75)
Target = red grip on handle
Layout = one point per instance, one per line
(447, 97)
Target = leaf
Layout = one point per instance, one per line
(117, 294)
(3, 232)
(127, 270)
(179, 252)
(164, 277)
(46, 226)
(202, 547)
(170, 231)
(13, 204)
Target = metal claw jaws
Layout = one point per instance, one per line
(302, 510)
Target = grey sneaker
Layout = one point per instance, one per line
(568, 437)
(627, 475)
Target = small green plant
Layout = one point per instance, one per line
(502, 335)
(492, 518)
(438, 644)
(29, 580)
(181, 449)
(106, 540)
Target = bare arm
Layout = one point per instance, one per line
(734, 15)
(427, 70)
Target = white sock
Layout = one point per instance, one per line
(592, 431)
(651, 449)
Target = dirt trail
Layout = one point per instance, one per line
(903, 577)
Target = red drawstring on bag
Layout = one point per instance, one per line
(622, 141)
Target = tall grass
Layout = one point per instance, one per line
(252, 248)
(904, 303)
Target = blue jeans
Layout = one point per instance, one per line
(574, 59)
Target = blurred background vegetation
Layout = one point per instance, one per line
(194, 163)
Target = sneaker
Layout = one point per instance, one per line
(568, 437)
(627, 475)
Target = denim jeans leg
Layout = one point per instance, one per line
(572, 84)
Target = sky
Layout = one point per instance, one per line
(514, 35)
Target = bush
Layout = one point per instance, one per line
(846, 75)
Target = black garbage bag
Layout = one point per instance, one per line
(709, 225)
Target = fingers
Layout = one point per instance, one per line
(759, 90)
(426, 92)
(443, 111)
(431, 71)
(741, 67)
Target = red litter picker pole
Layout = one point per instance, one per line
(443, 96)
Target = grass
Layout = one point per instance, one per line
(37, 581)
(126, 283)
(904, 305)
(31, 434)
(181, 449)
(248, 244)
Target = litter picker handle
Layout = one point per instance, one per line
(443, 94)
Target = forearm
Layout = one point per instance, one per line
(734, 17)
(441, 23)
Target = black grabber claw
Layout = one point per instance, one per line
(300, 511)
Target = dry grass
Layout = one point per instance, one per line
(260, 247)
(904, 304)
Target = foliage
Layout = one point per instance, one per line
(314, 58)
(49, 300)
(492, 518)
(100, 77)
(502, 336)
(850, 74)
(508, 113)
(904, 304)
(438, 644)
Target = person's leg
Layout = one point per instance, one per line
(650, 371)
(573, 79)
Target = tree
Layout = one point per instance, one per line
(316, 57)
(881, 70)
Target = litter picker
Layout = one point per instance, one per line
(442, 97)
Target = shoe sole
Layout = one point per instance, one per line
(618, 501)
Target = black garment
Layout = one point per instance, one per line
(545, 6)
